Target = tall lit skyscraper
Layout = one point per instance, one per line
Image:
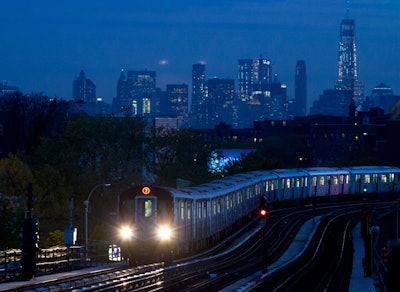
(300, 89)
(254, 76)
(347, 75)
(198, 94)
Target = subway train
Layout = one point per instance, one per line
(159, 223)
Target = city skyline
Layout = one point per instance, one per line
(46, 44)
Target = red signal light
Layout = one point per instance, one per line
(263, 212)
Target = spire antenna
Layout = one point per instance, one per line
(347, 9)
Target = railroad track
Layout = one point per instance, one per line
(222, 266)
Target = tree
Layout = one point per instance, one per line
(173, 154)
(10, 225)
(15, 176)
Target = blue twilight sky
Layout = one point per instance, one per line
(44, 44)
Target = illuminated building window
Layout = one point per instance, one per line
(146, 105)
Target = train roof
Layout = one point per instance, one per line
(373, 169)
(326, 170)
(224, 185)
(289, 172)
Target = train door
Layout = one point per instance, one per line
(145, 216)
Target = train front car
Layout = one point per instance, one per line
(145, 224)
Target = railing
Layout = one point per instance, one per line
(57, 259)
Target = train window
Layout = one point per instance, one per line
(347, 179)
(375, 177)
(199, 210)
(305, 184)
(274, 184)
(314, 181)
(214, 207)
(384, 178)
(182, 210)
(391, 177)
(335, 180)
(341, 179)
(287, 183)
(358, 177)
(148, 208)
(188, 211)
(322, 180)
(266, 186)
(205, 210)
(367, 179)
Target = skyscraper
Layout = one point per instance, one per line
(347, 75)
(254, 76)
(83, 89)
(198, 94)
(142, 91)
(219, 101)
(300, 89)
(123, 100)
(177, 95)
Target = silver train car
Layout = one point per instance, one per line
(157, 223)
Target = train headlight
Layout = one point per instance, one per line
(126, 232)
(164, 232)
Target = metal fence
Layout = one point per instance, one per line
(58, 259)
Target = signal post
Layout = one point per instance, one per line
(263, 213)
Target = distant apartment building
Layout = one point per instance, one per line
(382, 96)
(83, 89)
(7, 90)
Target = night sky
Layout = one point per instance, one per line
(44, 44)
